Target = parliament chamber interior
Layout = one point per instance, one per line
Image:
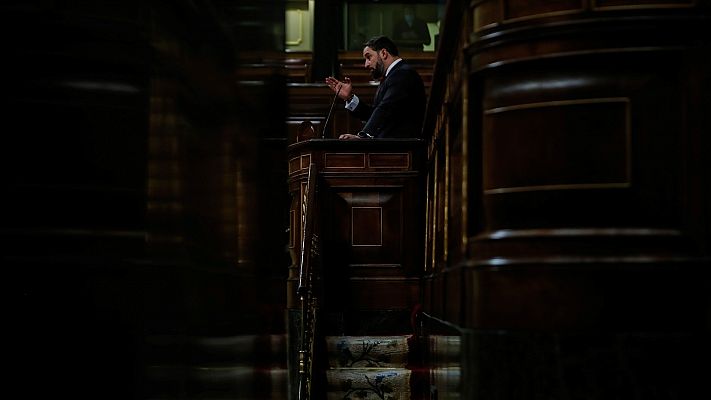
(181, 221)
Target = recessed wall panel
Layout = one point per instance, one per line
(557, 145)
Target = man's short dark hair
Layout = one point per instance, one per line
(382, 42)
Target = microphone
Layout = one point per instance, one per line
(328, 117)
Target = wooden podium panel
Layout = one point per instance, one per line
(370, 210)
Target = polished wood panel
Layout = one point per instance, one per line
(487, 14)
(369, 201)
(344, 161)
(297, 65)
(587, 198)
(561, 144)
(395, 160)
(366, 225)
(637, 152)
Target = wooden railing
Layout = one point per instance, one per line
(305, 290)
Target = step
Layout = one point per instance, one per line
(368, 351)
(369, 367)
(368, 383)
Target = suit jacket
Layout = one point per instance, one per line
(399, 106)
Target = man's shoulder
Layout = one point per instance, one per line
(403, 68)
(405, 73)
(402, 65)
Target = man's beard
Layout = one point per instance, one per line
(379, 70)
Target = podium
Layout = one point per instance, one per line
(369, 220)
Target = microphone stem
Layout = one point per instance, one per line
(328, 117)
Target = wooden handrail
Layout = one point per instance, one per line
(309, 250)
(307, 223)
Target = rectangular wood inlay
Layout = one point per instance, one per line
(575, 144)
(294, 165)
(305, 161)
(344, 160)
(367, 226)
(389, 160)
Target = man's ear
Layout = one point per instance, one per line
(384, 54)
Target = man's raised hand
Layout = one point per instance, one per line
(344, 86)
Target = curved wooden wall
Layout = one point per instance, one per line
(589, 121)
(584, 179)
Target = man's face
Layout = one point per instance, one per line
(374, 63)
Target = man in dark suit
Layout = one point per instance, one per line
(399, 106)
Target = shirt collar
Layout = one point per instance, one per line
(392, 65)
